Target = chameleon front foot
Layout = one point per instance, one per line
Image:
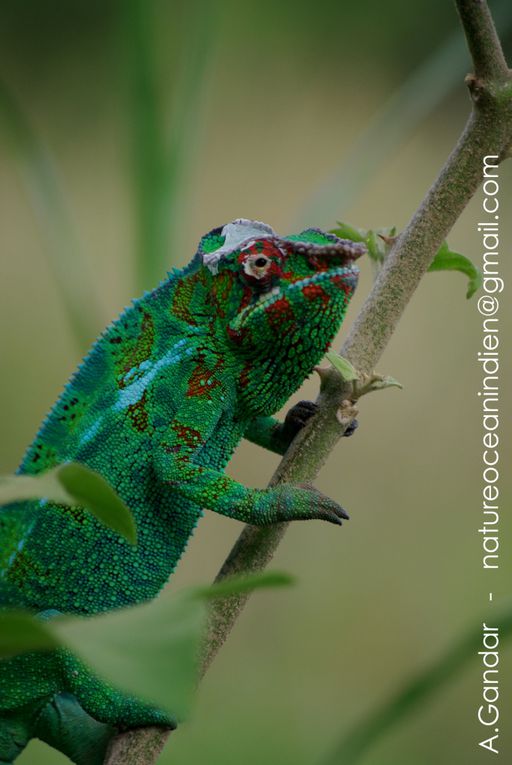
(297, 417)
(300, 503)
(300, 414)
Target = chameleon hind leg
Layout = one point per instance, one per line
(62, 724)
(53, 696)
(65, 726)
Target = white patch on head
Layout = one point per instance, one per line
(238, 233)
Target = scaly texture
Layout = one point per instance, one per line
(157, 407)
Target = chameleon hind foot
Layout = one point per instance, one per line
(64, 725)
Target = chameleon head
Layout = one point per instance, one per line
(282, 299)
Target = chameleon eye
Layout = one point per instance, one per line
(257, 266)
(261, 262)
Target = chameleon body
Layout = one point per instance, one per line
(157, 407)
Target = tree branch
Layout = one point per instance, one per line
(488, 131)
(483, 41)
(140, 745)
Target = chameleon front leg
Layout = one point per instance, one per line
(277, 436)
(177, 460)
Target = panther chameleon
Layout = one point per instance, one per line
(157, 407)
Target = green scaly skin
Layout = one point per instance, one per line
(157, 407)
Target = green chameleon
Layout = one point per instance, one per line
(157, 407)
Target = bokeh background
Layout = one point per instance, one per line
(131, 128)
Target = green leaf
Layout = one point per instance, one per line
(343, 366)
(386, 382)
(72, 484)
(447, 260)
(376, 245)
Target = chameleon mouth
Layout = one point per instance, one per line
(348, 273)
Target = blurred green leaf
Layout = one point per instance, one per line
(20, 632)
(162, 149)
(447, 260)
(428, 682)
(73, 484)
(400, 114)
(242, 584)
(150, 650)
(49, 199)
(149, 151)
(342, 365)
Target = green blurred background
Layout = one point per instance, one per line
(160, 120)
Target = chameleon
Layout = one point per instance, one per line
(157, 407)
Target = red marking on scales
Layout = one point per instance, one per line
(315, 292)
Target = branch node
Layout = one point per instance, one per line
(346, 413)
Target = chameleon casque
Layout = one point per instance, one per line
(157, 407)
